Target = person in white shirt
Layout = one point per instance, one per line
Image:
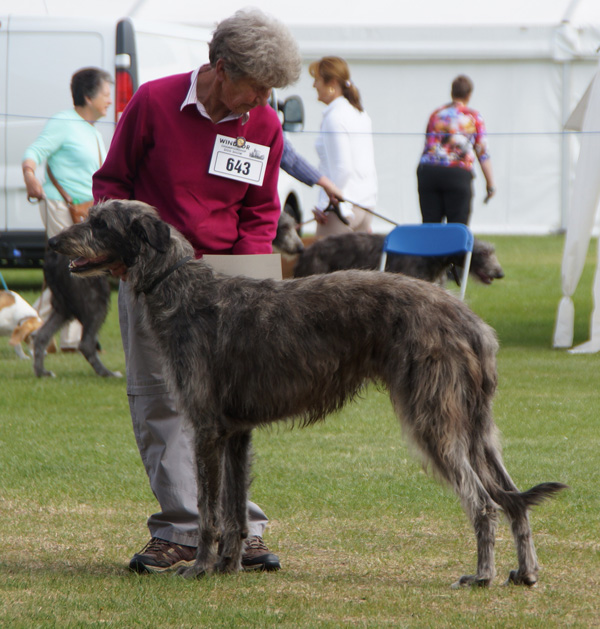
(345, 149)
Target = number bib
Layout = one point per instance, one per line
(235, 158)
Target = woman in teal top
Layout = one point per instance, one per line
(73, 148)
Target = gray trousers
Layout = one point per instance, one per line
(164, 437)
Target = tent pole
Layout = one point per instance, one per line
(565, 144)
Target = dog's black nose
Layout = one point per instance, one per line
(52, 242)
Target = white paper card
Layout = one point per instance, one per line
(260, 267)
(235, 158)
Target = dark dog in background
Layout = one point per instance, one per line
(73, 299)
(259, 351)
(363, 251)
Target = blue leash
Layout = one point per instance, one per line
(3, 282)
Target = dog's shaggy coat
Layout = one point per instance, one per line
(358, 250)
(240, 353)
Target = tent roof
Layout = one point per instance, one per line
(378, 29)
(333, 12)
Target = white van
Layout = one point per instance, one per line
(38, 55)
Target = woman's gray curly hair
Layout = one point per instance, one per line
(256, 46)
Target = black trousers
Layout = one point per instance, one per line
(445, 192)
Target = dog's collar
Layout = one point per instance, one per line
(166, 274)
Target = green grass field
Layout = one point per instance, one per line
(365, 537)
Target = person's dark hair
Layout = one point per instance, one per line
(336, 69)
(86, 83)
(462, 86)
(256, 46)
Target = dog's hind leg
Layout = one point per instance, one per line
(209, 462)
(482, 511)
(445, 450)
(42, 339)
(515, 506)
(234, 496)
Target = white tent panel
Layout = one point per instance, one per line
(531, 63)
(582, 212)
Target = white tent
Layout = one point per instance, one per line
(530, 61)
(583, 209)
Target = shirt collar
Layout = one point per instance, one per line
(192, 99)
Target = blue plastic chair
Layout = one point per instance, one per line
(431, 239)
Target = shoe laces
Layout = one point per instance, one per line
(256, 543)
(157, 545)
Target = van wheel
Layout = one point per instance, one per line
(293, 211)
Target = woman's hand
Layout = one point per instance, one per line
(320, 216)
(33, 185)
(491, 191)
(333, 192)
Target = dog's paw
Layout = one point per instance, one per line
(471, 580)
(514, 578)
(115, 374)
(227, 566)
(45, 374)
(192, 572)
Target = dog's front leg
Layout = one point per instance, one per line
(234, 497)
(209, 455)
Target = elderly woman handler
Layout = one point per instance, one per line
(170, 150)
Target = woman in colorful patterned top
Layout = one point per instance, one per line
(455, 137)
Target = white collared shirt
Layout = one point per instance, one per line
(346, 154)
(192, 99)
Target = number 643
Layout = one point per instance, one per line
(237, 165)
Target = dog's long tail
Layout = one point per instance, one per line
(515, 503)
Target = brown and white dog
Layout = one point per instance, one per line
(18, 319)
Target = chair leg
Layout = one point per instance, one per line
(465, 275)
(383, 261)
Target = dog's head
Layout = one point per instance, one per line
(484, 263)
(287, 240)
(113, 238)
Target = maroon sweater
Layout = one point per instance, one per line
(161, 155)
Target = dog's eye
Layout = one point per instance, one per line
(98, 224)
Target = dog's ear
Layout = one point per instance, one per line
(153, 231)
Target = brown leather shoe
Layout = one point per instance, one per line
(159, 555)
(257, 556)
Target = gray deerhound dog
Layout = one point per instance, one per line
(267, 350)
(358, 250)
